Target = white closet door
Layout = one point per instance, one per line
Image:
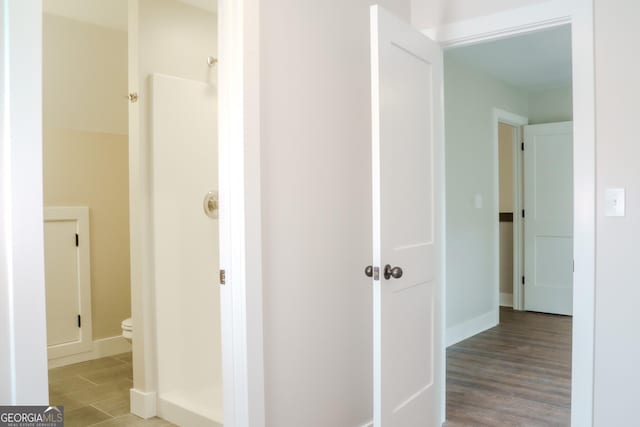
(548, 223)
(67, 280)
(63, 287)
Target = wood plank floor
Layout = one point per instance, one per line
(516, 374)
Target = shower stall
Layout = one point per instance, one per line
(185, 245)
(173, 76)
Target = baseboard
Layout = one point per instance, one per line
(471, 327)
(506, 300)
(103, 347)
(178, 415)
(143, 403)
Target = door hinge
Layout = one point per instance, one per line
(77, 240)
(223, 277)
(79, 321)
(523, 280)
(522, 213)
(522, 146)
(133, 97)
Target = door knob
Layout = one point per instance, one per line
(368, 271)
(389, 272)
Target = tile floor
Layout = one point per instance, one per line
(96, 393)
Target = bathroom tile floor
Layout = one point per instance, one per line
(96, 393)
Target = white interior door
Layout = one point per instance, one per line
(406, 135)
(548, 223)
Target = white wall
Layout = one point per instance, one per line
(551, 105)
(23, 357)
(316, 187)
(431, 13)
(471, 159)
(617, 341)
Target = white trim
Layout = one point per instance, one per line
(472, 327)
(240, 219)
(143, 403)
(81, 217)
(142, 299)
(502, 116)
(504, 24)
(23, 335)
(103, 347)
(178, 415)
(578, 13)
(506, 300)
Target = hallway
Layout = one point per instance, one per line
(515, 374)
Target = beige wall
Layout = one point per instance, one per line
(506, 178)
(86, 151)
(85, 76)
(505, 161)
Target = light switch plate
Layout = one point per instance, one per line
(477, 201)
(614, 202)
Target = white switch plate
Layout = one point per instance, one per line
(477, 201)
(614, 202)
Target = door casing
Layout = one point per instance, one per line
(516, 121)
(579, 14)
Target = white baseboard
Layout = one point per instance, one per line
(178, 415)
(506, 300)
(143, 403)
(104, 347)
(471, 327)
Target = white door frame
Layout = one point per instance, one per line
(240, 223)
(23, 328)
(578, 13)
(501, 116)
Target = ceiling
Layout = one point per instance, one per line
(534, 62)
(106, 13)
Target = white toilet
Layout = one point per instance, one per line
(127, 329)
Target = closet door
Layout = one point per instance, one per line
(548, 222)
(67, 281)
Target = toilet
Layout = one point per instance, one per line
(127, 329)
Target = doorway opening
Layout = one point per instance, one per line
(148, 192)
(85, 185)
(509, 237)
